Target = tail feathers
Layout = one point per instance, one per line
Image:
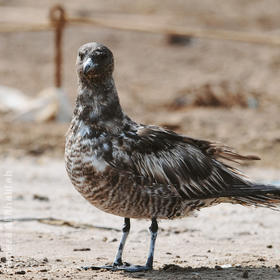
(256, 195)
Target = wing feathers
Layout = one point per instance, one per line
(218, 150)
(189, 166)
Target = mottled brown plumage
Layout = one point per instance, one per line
(141, 171)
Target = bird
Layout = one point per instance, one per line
(139, 171)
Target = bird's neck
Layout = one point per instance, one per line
(98, 103)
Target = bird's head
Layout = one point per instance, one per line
(94, 61)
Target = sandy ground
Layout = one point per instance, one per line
(158, 83)
(222, 241)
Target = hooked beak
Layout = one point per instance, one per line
(88, 66)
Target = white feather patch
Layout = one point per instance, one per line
(83, 129)
(98, 164)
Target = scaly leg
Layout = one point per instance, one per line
(125, 230)
(153, 230)
(118, 260)
(118, 264)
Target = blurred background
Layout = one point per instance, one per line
(216, 89)
(208, 69)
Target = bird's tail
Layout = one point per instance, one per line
(255, 195)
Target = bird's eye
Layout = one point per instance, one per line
(81, 55)
(100, 54)
(103, 55)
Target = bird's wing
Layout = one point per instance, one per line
(190, 166)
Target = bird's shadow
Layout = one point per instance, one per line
(178, 272)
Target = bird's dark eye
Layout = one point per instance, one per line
(104, 55)
(101, 55)
(81, 55)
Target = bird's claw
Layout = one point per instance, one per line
(124, 267)
(135, 268)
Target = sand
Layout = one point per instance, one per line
(161, 84)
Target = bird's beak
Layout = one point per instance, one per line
(88, 66)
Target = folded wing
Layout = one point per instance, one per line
(189, 166)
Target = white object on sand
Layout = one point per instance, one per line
(50, 104)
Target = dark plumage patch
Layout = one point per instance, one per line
(143, 171)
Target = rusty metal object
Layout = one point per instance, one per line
(58, 20)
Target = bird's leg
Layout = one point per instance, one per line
(153, 231)
(118, 260)
(119, 265)
(125, 230)
(149, 264)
